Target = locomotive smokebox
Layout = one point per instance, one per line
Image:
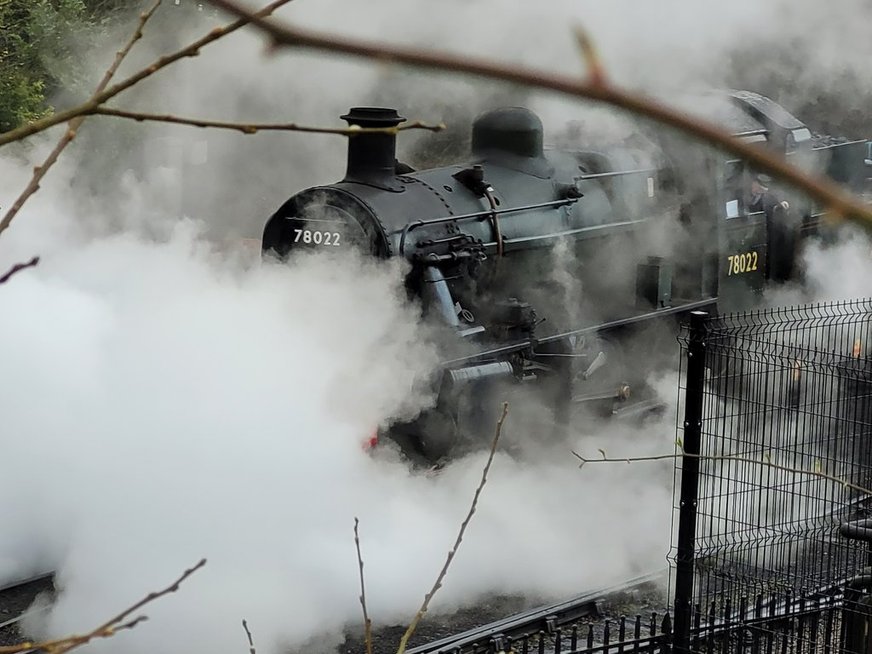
(372, 157)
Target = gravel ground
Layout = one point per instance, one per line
(13, 603)
(433, 627)
(16, 601)
(644, 601)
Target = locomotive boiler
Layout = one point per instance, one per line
(542, 263)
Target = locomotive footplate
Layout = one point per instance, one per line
(622, 394)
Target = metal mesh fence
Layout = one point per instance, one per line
(785, 458)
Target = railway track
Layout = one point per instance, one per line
(549, 619)
(16, 599)
(483, 627)
(27, 581)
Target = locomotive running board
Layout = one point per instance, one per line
(593, 329)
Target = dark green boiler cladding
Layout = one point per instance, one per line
(472, 221)
(551, 265)
(533, 195)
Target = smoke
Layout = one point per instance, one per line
(840, 269)
(165, 402)
(694, 46)
(166, 399)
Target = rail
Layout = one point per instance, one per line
(543, 619)
(43, 576)
(38, 580)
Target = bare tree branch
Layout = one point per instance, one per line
(123, 52)
(40, 171)
(404, 641)
(765, 461)
(107, 629)
(596, 70)
(251, 649)
(191, 50)
(254, 128)
(18, 267)
(839, 202)
(367, 623)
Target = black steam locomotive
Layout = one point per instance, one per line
(551, 265)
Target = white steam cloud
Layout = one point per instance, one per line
(837, 270)
(164, 400)
(163, 404)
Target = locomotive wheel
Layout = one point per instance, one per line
(439, 434)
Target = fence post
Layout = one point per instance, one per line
(693, 402)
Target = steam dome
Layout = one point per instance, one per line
(514, 130)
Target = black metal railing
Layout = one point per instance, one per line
(768, 625)
(634, 635)
(764, 624)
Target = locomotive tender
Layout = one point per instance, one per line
(540, 261)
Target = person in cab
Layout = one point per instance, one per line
(762, 199)
(780, 228)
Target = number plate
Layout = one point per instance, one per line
(317, 237)
(742, 263)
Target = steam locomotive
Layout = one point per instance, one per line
(550, 266)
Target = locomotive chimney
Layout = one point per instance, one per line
(372, 157)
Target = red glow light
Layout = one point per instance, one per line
(372, 441)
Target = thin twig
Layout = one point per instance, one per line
(404, 641)
(838, 201)
(596, 70)
(251, 649)
(172, 588)
(40, 171)
(254, 128)
(367, 623)
(191, 50)
(766, 461)
(107, 629)
(18, 267)
(123, 52)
